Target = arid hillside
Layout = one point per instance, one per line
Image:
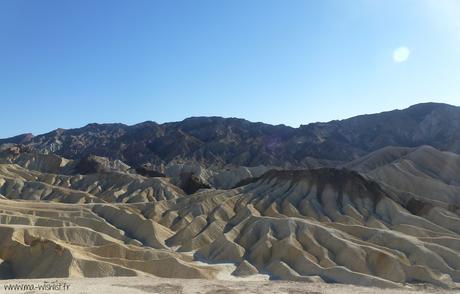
(331, 225)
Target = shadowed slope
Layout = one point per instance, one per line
(220, 141)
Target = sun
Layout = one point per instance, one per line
(401, 54)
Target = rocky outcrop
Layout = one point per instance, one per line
(149, 171)
(191, 183)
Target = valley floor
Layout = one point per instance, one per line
(139, 285)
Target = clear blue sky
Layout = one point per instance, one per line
(68, 63)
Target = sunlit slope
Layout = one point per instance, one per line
(17, 182)
(424, 174)
(327, 224)
(56, 240)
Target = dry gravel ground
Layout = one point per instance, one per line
(140, 285)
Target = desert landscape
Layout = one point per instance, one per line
(226, 147)
(216, 205)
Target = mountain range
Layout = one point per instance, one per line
(222, 141)
(373, 200)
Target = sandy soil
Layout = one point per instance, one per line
(139, 285)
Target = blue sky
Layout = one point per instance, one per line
(68, 63)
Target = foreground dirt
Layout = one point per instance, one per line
(139, 285)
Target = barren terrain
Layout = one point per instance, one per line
(388, 219)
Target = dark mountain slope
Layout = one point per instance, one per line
(216, 140)
(432, 124)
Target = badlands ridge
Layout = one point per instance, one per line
(329, 224)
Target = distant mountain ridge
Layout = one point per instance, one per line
(221, 141)
(385, 218)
